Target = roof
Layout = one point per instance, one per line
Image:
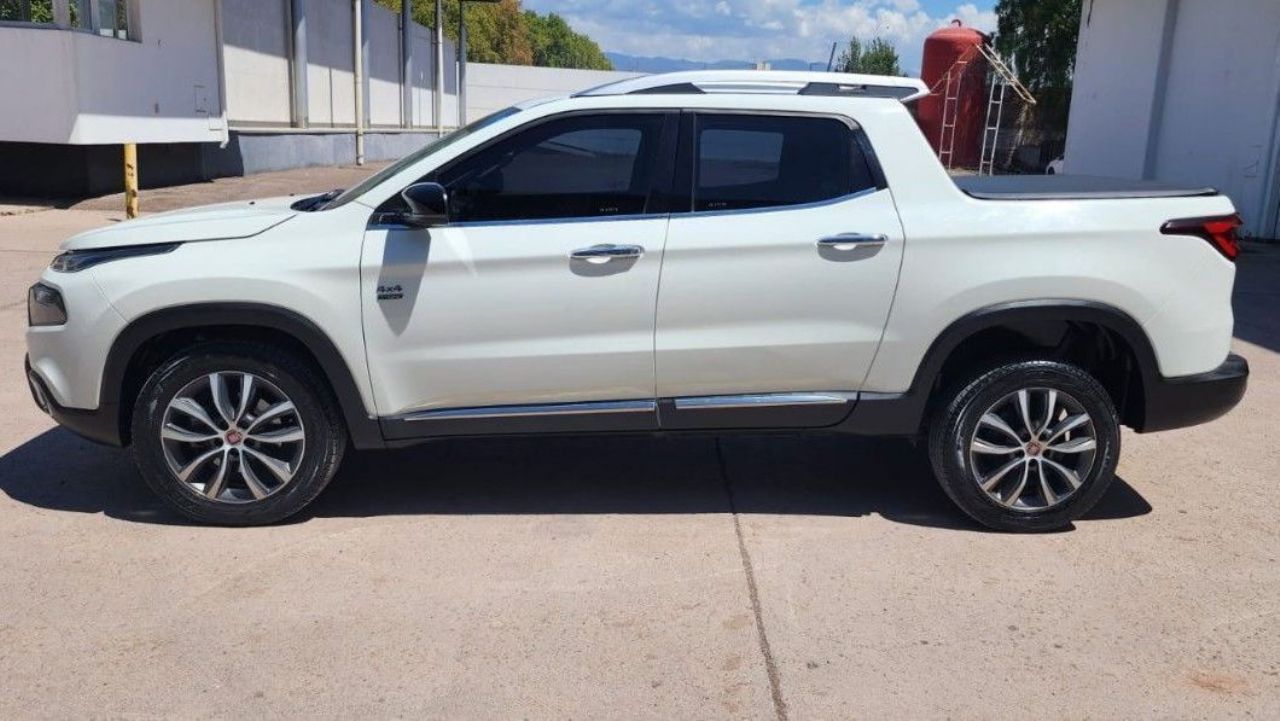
(775, 82)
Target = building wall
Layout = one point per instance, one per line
(424, 74)
(256, 52)
(1110, 117)
(1220, 110)
(382, 30)
(259, 56)
(494, 87)
(1186, 91)
(64, 86)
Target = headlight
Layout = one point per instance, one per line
(44, 306)
(77, 260)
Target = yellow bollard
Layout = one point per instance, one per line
(130, 180)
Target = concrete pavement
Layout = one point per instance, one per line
(672, 577)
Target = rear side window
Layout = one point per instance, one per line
(757, 161)
(577, 167)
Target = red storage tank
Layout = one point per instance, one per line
(942, 50)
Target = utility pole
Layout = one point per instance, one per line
(462, 63)
(130, 180)
(357, 7)
(406, 57)
(298, 63)
(462, 59)
(438, 105)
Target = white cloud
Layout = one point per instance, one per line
(711, 30)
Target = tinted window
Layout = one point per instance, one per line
(582, 166)
(431, 148)
(751, 161)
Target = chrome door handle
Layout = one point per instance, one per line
(605, 252)
(849, 241)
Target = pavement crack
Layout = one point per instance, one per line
(770, 666)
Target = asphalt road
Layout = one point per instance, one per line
(741, 577)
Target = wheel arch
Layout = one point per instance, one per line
(151, 338)
(1004, 331)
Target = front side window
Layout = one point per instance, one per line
(584, 166)
(760, 161)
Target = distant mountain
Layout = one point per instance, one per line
(642, 64)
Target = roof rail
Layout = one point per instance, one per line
(776, 82)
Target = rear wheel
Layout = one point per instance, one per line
(237, 433)
(1027, 446)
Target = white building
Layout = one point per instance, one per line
(1186, 91)
(209, 88)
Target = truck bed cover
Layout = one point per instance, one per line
(1070, 187)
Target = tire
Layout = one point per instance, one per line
(969, 449)
(281, 449)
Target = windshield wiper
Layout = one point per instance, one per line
(317, 202)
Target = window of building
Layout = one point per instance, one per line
(576, 167)
(756, 161)
(39, 12)
(114, 18)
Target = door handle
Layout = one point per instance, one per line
(605, 252)
(849, 241)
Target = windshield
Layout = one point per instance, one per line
(430, 148)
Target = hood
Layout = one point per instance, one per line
(224, 221)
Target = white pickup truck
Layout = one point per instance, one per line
(703, 252)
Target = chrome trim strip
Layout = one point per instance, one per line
(763, 400)
(544, 409)
(557, 221)
(778, 208)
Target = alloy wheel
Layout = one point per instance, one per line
(1033, 449)
(233, 437)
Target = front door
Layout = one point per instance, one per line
(776, 285)
(533, 309)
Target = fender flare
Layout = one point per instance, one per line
(362, 425)
(903, 413)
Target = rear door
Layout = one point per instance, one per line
(778, 277)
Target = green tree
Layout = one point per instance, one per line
(879, 57)
(850, 58)
(504, 32)
(1040, 38)
(556, 45)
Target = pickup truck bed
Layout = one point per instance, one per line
(1070, 187)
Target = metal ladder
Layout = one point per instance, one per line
(1002, 78)
(950, 112)
(991, 131)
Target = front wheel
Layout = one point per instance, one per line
(1027, 446)
(237, 434)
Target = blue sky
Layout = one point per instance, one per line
(759, 29)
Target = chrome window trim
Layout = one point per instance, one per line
(558, 221)
(777, 208)
(539, 409)
(763, 400)
(525, 222)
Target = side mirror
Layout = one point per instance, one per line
(428, 205)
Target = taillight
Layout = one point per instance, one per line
(1219, 230)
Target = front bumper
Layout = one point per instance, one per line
(101, 425)
(1194, 399)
